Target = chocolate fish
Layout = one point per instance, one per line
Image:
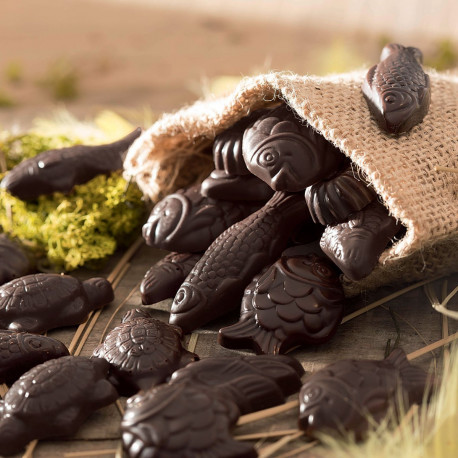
(20, 351)
(163, 279)
(52, 400)
(397, 90)
(36, 303)
(356, 245)
(142, 352)
(343, 396)
(193, 414)
(298, 300)
(216, 283)
(13, 261)
(231, 180)
(188, 222)
(287, 153)
(331, 201)
(62, 169)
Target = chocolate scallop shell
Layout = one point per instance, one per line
(332, 201)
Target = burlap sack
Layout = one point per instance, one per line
(174, 152)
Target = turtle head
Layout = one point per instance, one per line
(98, 290)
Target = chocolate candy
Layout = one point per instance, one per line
(53, 400)
(288, 154)
(164, 278)
(343, 396)
(20, 351)
(142, 352)
(356, 245)
(36, 303)
(62, 169)
(331, 201)
(188, 222)
(192, 415)
(216, 283)
(253, 383)
(220, 185)
(397, 90)
(182, 420)
(298, 300)
(13, 261)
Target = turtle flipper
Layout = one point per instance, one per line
(25, 324)
(14, 434)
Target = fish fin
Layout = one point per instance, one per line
(370, 78)
(25, 324)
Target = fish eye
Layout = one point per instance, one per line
(268, 157)
(312, 394)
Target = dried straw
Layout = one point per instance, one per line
(271, 449)
(255, 416)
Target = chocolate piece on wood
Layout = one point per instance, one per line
(343, 396)
(39, 302)
(20, 351)
(220, 185)
(163, 279)
(53, 400)
(331, 201)
(287, 153)
(13, 261)
(356, 245)
(298, 300)
(62, 169)
(188, 222)
(142, 352)
(397, 90)
(216, 283)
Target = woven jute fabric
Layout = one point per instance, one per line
(175, 152)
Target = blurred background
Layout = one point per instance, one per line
(150, 56)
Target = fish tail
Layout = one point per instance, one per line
(290, 205)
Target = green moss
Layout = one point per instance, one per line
(75, 229)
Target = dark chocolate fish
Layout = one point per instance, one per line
(36, 303)
(356, 245)
(188, 222)
(343, 396)
(20, 351)
(216, 283)
(13, 261)
(287, 153)
(298, 300)
(142, 352)
(52, 400)
(163, 279)
(62, 169)
(331, 201)
(193, 414)
(397, 90)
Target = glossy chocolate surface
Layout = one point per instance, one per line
(332, 201)
(181, 421)
(53, 400)
(37, 303)
(62, 169)
(220, 185)
(397, 90)
(188, 222)
(356, 245)
(216, 283)
(298, 300)
(163, 279)
(252, 382)
(287, 153)
(20, 351)
(13, 261)
(142, 352)
(342, 396)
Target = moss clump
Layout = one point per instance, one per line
(72, 230)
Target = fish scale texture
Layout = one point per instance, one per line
(400, 168)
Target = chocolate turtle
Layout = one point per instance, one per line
(38, 302)
(143, 352)
(20, 351)
(53, 400)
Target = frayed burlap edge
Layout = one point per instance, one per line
(174, 152)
